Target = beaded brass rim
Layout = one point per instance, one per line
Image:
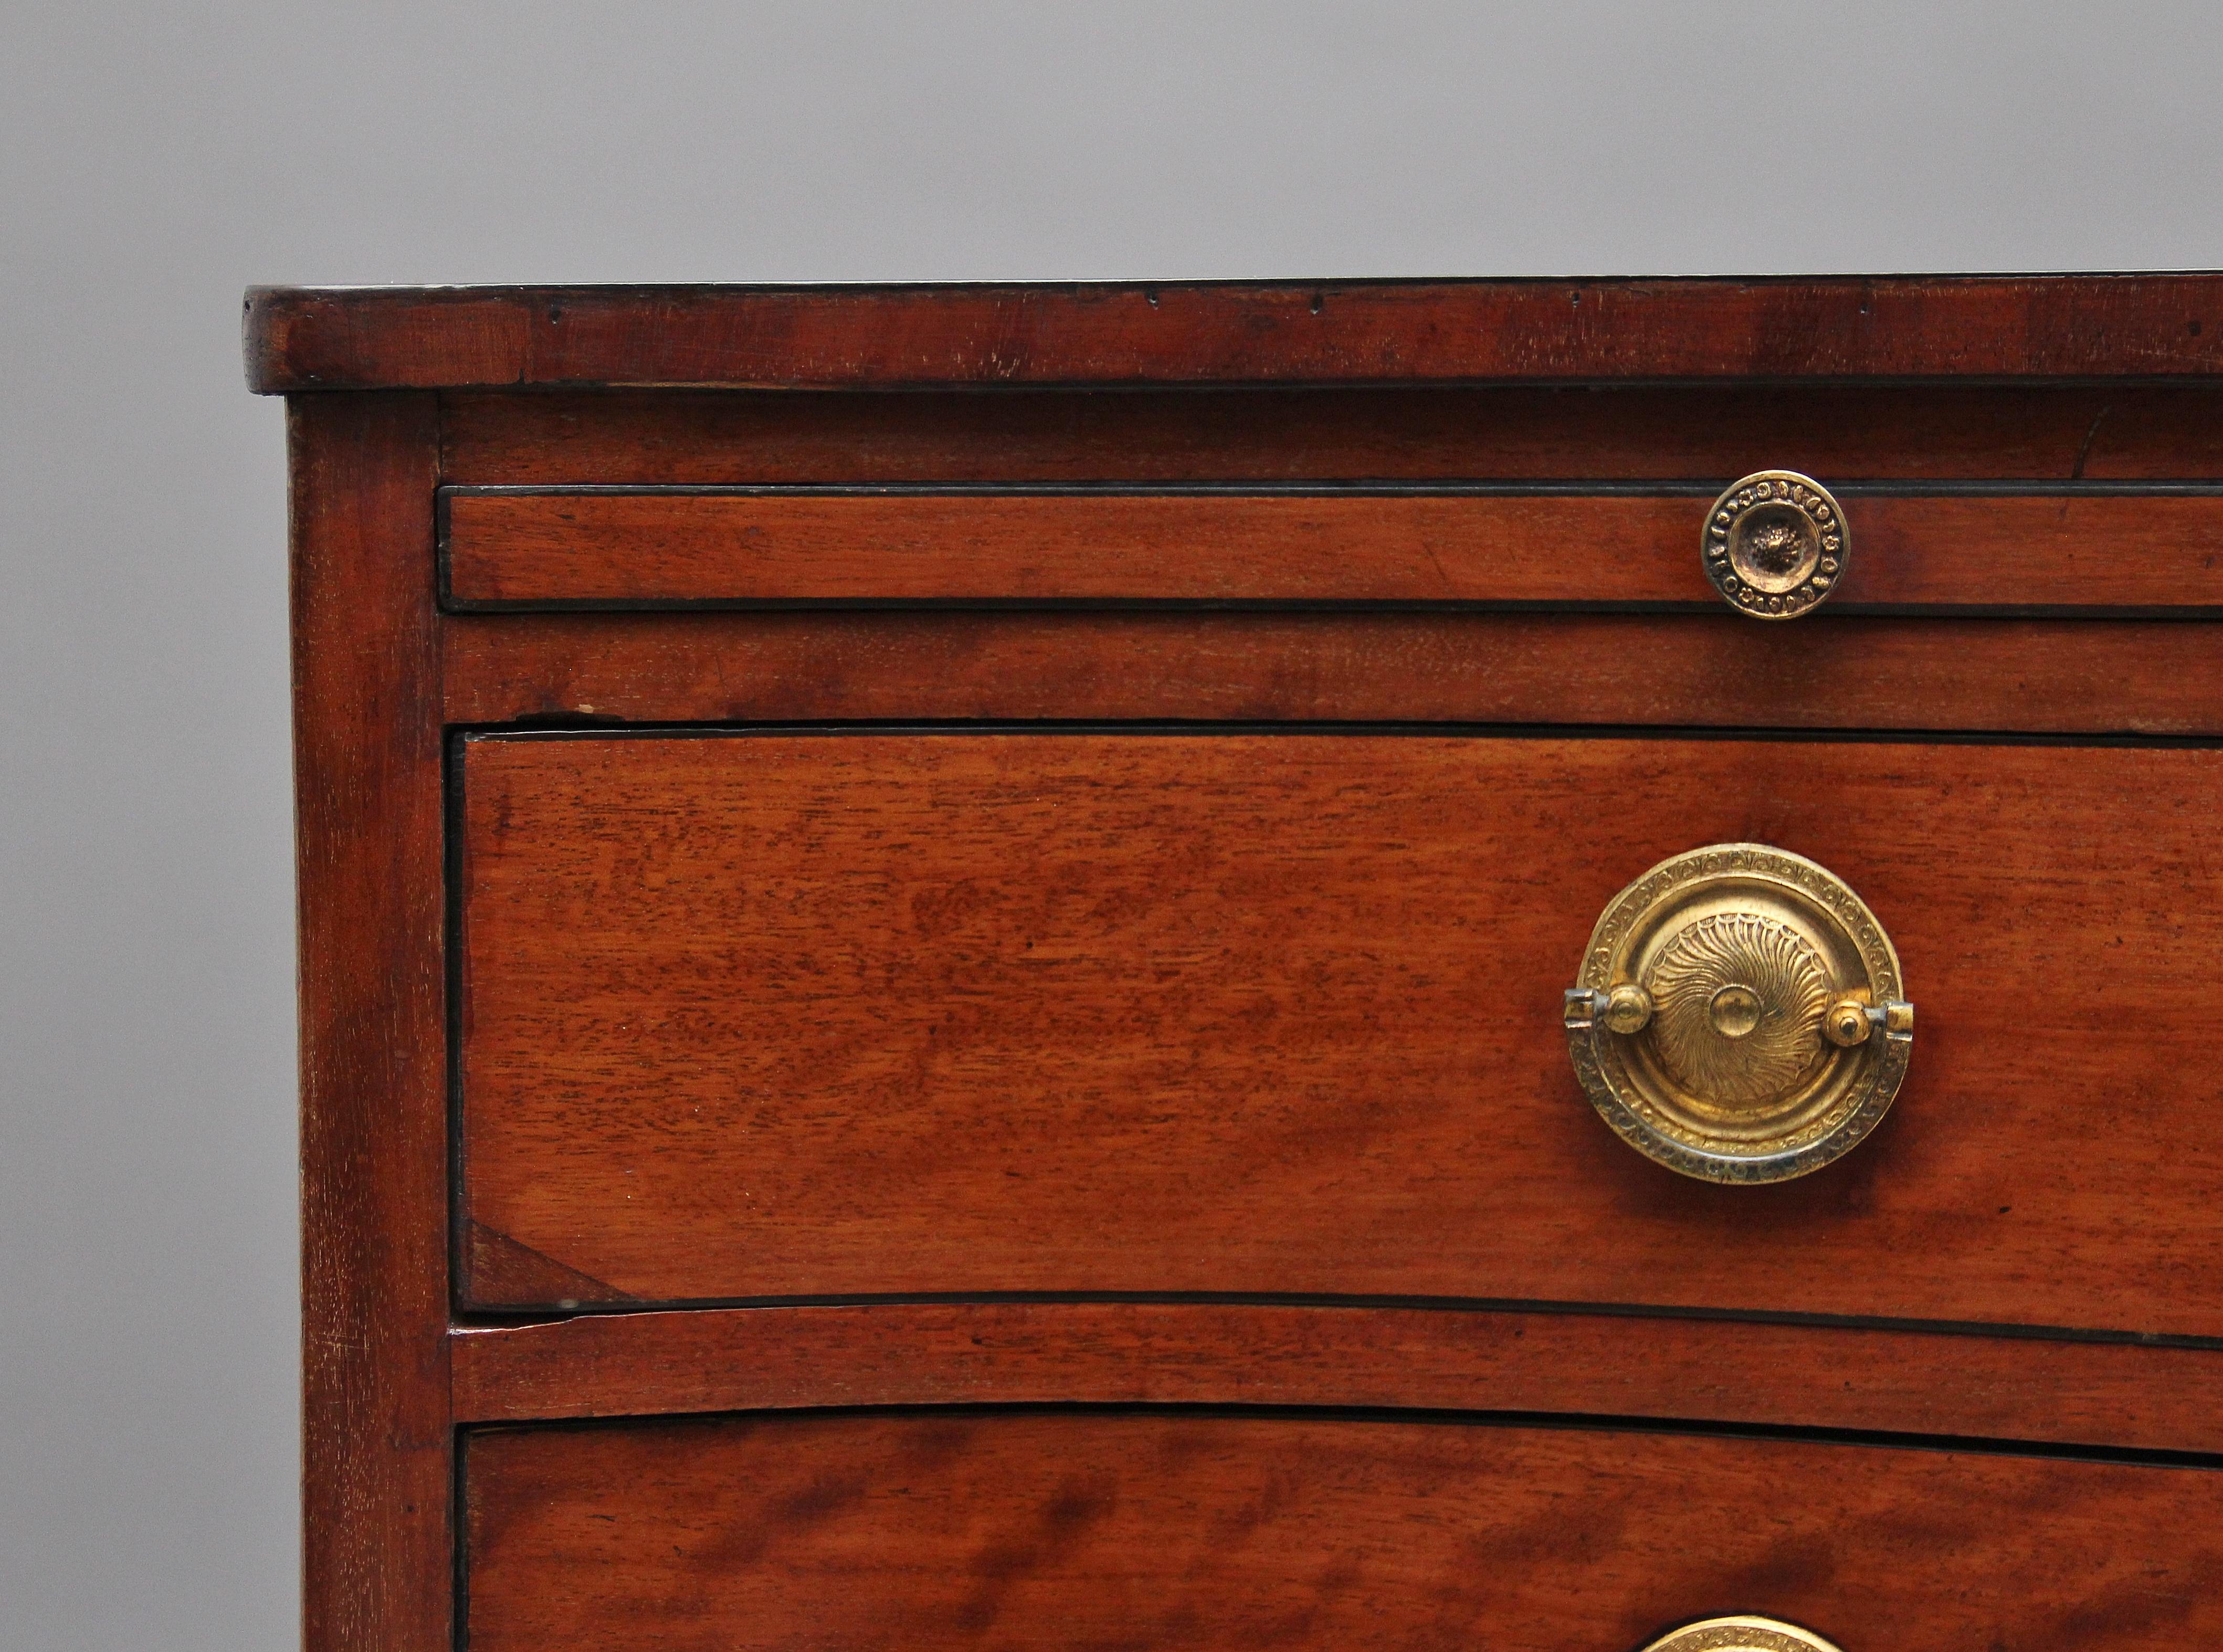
(1741, 1635)
(1738, 1015)
(1775, 544)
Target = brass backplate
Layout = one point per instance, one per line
(1741, 1635)
(1738, 1015)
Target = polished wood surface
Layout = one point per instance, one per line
(621, 550)
(1604, 433)
(814, 1014)
(1712, 670)
(1841, 1376)
(1924, 326)
(1105, 1530)
(375, 1430)
(1250, 1033)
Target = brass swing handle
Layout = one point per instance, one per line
(1628, 1010)
(1739, 1016)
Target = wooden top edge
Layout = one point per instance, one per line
(1137, 334)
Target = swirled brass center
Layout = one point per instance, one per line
(1739, 999)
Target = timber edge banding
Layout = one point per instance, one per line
(1580, 329)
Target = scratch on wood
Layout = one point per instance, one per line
(2084, 452)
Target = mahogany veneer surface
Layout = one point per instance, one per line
(376, 1436)
(796, 1014)
(1604, 432)
(1102, 1531)
(1215, 714)
(1909, 1381)
(1713, 671)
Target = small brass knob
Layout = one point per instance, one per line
(1739, 1017)
(1741, 1635)
(1775, 544)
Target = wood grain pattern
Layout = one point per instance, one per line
(1630, 433)
(1715, 670)
(632, 549)
(2004, 326)
(1183, 1010)
(945, 1353)
(1155, 1530)
(817, 1014)
(376, 1478)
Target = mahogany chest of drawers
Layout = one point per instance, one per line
(1486, 964)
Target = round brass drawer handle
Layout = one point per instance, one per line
(1741, 1635)
(1775, 544)
(1738, 1015)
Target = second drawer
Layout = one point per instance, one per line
(778, 1014)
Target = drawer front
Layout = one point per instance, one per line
(1155, 1529)
(800, 1014)
(647, 547)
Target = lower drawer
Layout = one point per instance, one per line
(1157, 1529)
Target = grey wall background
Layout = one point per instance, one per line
(159, 158)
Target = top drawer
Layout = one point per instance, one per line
(2105, 548)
